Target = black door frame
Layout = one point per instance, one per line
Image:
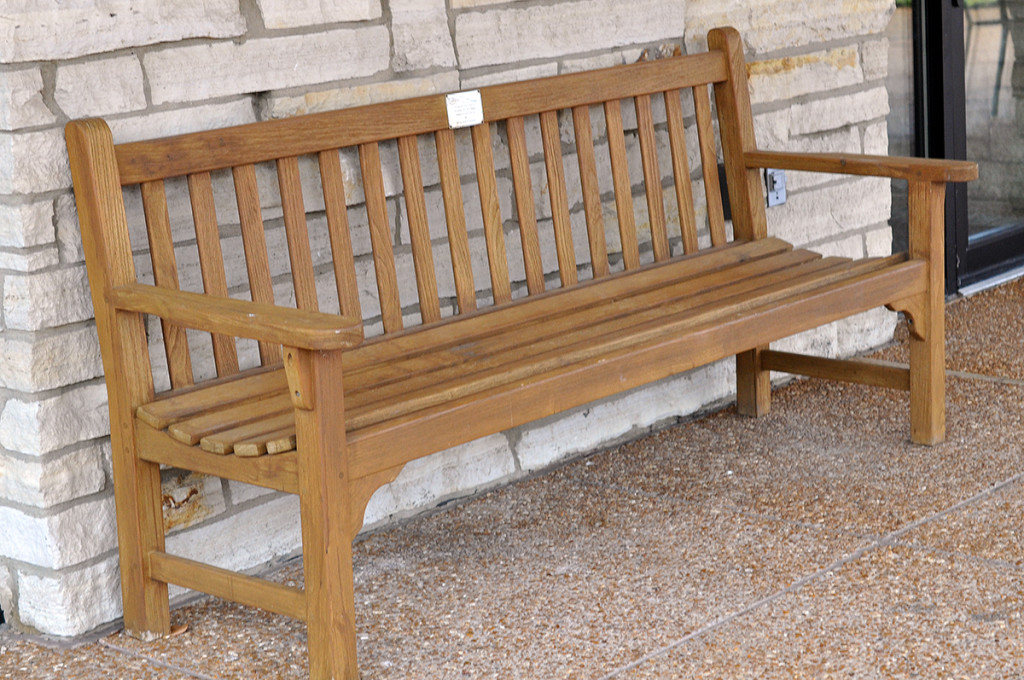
(940, 129)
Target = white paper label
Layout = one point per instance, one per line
(465, 109)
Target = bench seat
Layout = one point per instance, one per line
(613, 334)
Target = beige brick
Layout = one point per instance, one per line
(796, 76)
(293, 13)
(422, 39)
(21, 99)
(23, 225)
(769, 25)
(836, 112)
(510, 34)
(50, 29)
(219, 69)
(34, 162)
(100, 87)
(281, 105)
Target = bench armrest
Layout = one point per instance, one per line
(240, 318)
(896, 167)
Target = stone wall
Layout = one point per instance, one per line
(155, 68)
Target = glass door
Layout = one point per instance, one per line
(993, 239)
(956, 90)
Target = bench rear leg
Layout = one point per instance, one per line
(325, 502)
(753, 384)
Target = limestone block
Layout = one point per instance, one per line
(421, 35)
(34, 162)
(100, 87)
(243, 493)
(851, 247)
(69, 602)
(803, 74)
(837, 112)
(23, 225)
(32, 364)
(770, 25)
(293, 13)
(831, 211)
(282, 105)
(864, 332)
(605, 422)
(469, 4)
(874, 58)
(47, 482)
(38, 427)
(69, 237)
(29, 261)
(425, 482)
(47, 299)
(821, 342)
(509, 75)
(183, 120)
(244, 539)
(21, 99)
(878, 242)
(876, 139)
(198, 72)
(69, 537)
(514, 34)
(189, 498)
(604, 60)
(45, 30)
(6, 592)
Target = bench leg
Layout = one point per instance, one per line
(927, 349)
(140, 530)
(325, 503)
(927, 376)
(753, 384)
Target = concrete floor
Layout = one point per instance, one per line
(815, 542)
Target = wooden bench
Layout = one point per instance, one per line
(464, 358)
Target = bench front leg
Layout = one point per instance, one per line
(314, 380)
(927, 341)
(753, 384)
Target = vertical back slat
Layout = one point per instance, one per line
(523, 185)
(681, 170)
(652, 176)
(419, 231)
(165, 274)
(380, 237)
(211, 262)
(458, 240)
(333, 182)
(591, 190)
(297, 233)
(709, 164)
(254, 243)
(559, 199)
(497, 259)
(621, 183)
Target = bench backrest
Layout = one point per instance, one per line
(388, 214)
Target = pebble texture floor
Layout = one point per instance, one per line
(815, 542)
